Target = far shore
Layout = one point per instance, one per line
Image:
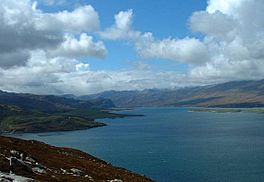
(229, 110)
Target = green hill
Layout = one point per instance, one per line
(38, 113)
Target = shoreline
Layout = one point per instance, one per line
(228, 110)
(58, 122)
(127, 173)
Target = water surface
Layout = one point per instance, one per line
(172, 144)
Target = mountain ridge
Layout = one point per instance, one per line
(246, 93)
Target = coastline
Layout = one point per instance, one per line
(228, 110)
(116, 174)
(56, 122)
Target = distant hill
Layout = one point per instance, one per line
(44, 113)
(230, 94)
(51, 103)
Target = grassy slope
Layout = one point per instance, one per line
(15, 119)
(55, 160)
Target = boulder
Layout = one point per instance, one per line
(17, 165)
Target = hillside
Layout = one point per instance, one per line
(45, 113)
(42, 113)
(35, 161)
(230, 94)
(50, 103)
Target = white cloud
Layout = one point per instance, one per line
(188, 50)
(25, 28)
(43, 54)
(44, 75)
(79, 48)
(232, 47)
(124, 19)
(217, 23)
(53, 2)
(122, 29)
(18, 31)
(225, 6)
(82, 19)
(234, 34)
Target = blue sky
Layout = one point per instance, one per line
(149, 16)
(89, 46)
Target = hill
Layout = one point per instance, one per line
(230, 94)
(35, 161)
(45, 113)
(50, 103)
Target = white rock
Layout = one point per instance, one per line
(4, 177)
(115, 180)
(38, 170)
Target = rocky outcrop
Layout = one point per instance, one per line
(29, 161)
(5, 177)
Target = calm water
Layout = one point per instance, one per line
(172, 144)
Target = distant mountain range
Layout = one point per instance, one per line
(51, 103)
(231, 94)
(41, 113)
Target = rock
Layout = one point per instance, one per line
(64, 171)
(29, 159)
(22, 156)
(115, 180)
(15, 153)
(77, 172)
(89, 177)
(4, 177)
(38, 170)
(40, 165)
(18, 165)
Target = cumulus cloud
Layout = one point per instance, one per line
(10, 59)
(18, 31)
(225, 6)
(25, 28)
(122, 29)
(83, 18)
(231, 47)
(188, 50)
(217, 23)
(44, 75)
(79, 48)
(43, 56)
(234, 34)
(52, 2)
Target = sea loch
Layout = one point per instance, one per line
(173, 144)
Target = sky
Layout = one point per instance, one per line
(88, 46)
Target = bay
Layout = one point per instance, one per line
(172, 144)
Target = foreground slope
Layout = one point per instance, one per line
(41, 162)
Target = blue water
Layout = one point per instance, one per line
(172, 144)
